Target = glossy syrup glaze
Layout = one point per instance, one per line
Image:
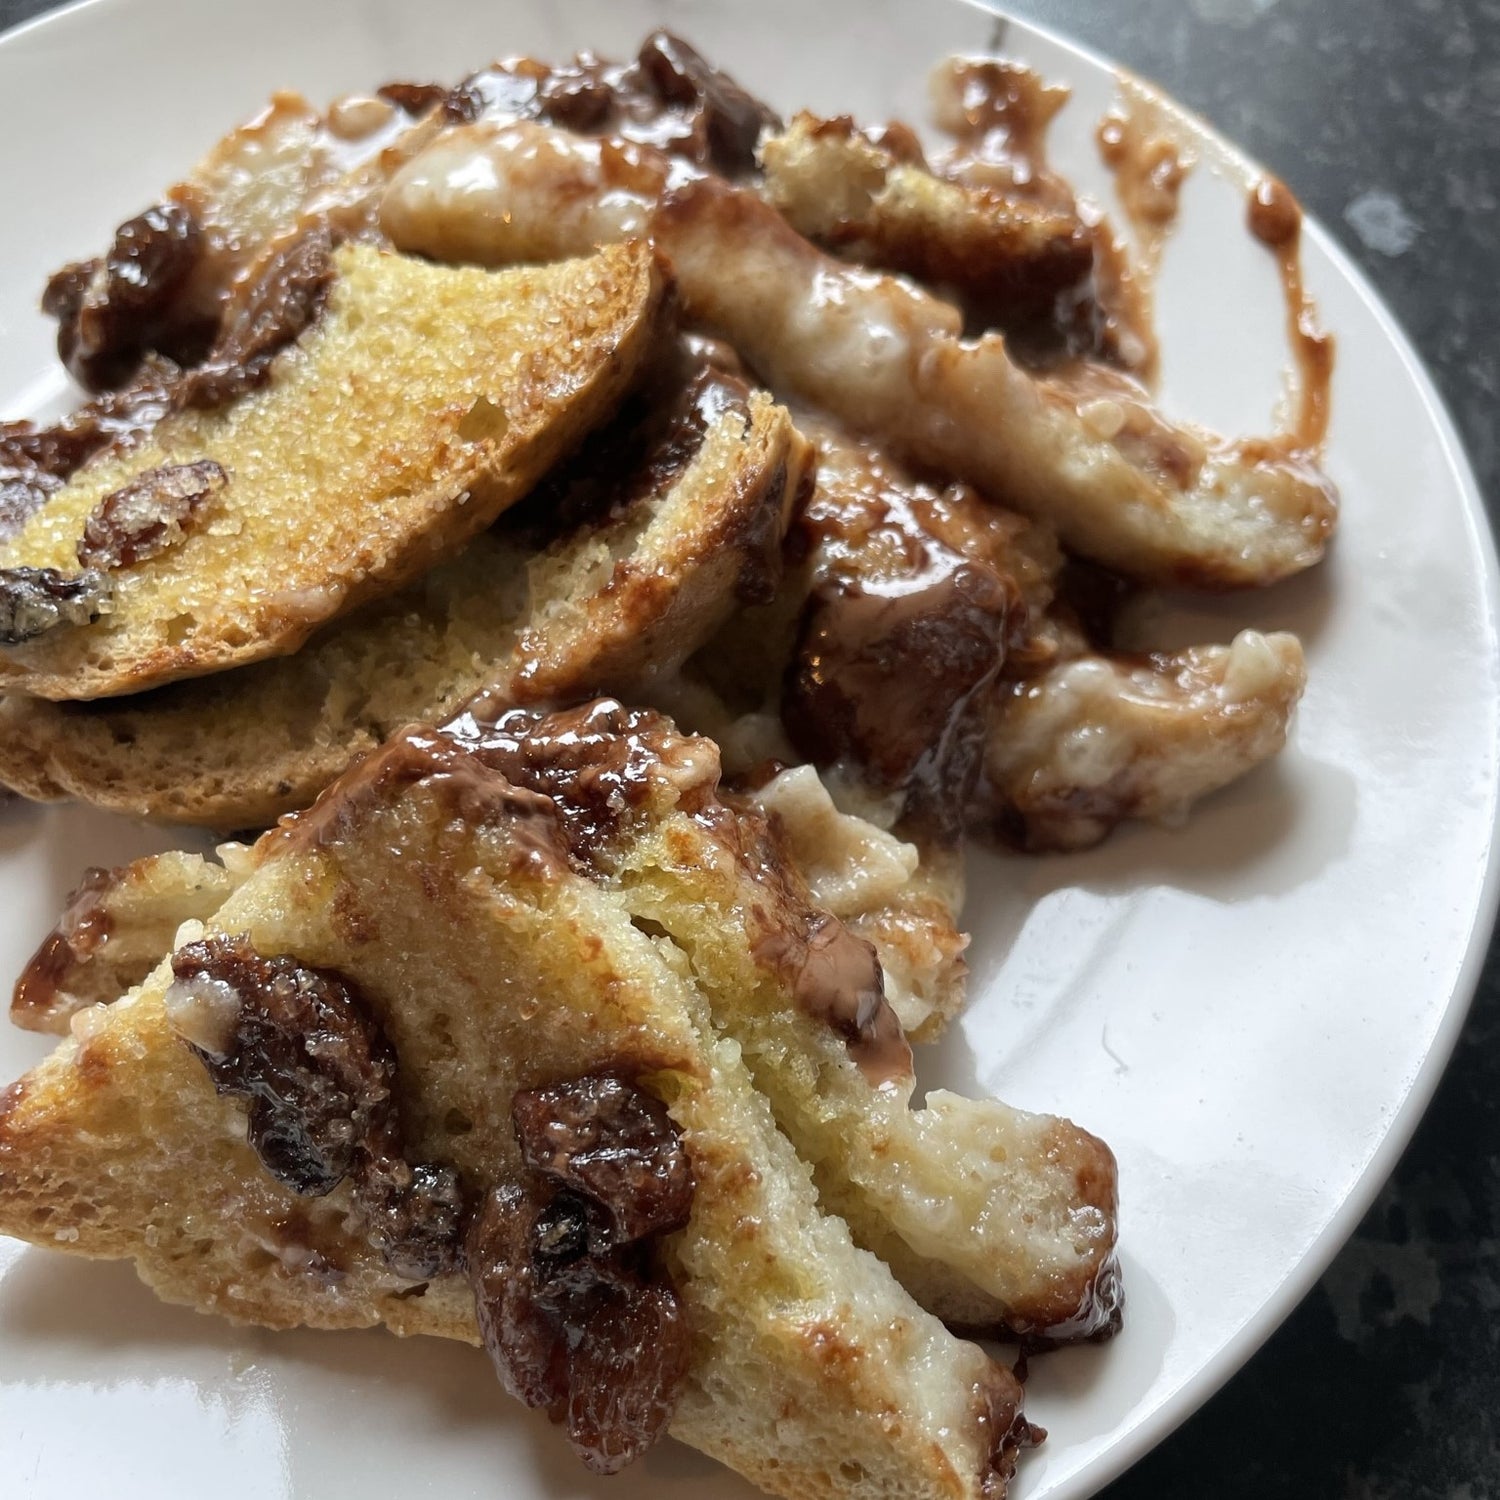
(1275, 219)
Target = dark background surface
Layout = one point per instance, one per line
(1384, 117)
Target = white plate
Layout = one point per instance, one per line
(1253, 1012)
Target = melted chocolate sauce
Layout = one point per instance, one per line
(998, 114)
(889, 680)
(1275, 219)
(81, 931)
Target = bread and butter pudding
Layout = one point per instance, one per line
(612, 544)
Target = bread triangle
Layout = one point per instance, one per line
(472, 919)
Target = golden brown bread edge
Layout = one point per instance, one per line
(812, 1372)
(690, 525)
(421, 403)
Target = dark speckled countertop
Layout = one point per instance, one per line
(1384, 116)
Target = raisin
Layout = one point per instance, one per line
(144, 518)
(36, 600)
(283, 300)
(413, 1214)
(303, 1050)
(587, 1337)
(116, 419)
(567, 1229)
(23, 491)
(625, 1374)
(523, 1338)
(576, 1317)
(612, 1142)
(111, 311)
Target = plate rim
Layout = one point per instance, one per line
(1237, 1351)
(1156, 1425)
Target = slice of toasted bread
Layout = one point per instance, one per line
(114, 929)
(465, 912)
(420, 405)
(690, 519)
(1006, 1220)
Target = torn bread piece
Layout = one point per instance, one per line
(416, 407)
(870, 196)
(114, 929)
(1161, 501)
(660, 525)
(1101, 737)
(468, 1080)
(1007, 1218)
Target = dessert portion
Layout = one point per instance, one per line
(320, 1110)
(1081, 447)
(363, 415)
(628, 557)
(629, 540)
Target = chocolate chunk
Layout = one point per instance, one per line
(111, 311)
(576, 100)
(142, 519)
(668, 98)
(890, 679)
(597, 764)
(615, 1143)
(274, 309)
(836, 978)
(36, 600)
(303, 1047)
(639, 455)
(733, 119)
